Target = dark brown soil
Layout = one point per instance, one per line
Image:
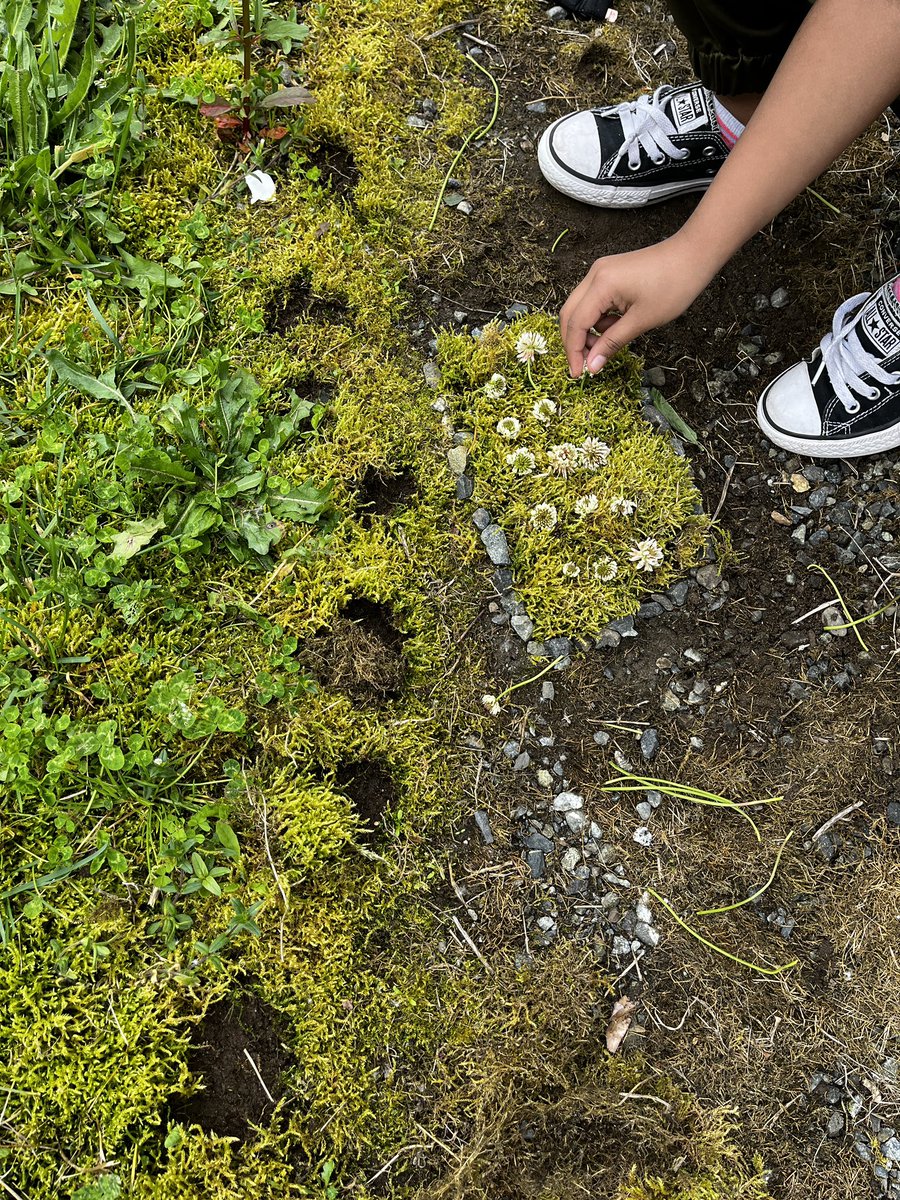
(371, 790)
(381, 494)
(359, 654)
(231, 1099)
(298, 302)
(337, 169)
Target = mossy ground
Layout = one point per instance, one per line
(150, 702)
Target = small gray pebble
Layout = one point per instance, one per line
(649, 744)
(464, 487)
(457, 458)
(523, 625)
(644, 810)
(484, 826)
(495, 544)
(779, 298)
(431, 372)
(601, 738)
(558, 647)
(465, 207)
(536, 863)
(481, 518)
(522, 762)
(655, 377)
(835, 1126)
(548, 691)
(893, 812)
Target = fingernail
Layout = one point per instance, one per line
(597, 363)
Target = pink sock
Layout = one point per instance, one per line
(729, 126)
(897, 287)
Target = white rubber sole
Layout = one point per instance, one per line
(867, 443)
(607, 195)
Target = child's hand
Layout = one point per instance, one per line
(624, 296)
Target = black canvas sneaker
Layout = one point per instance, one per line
(636, 153)
(844, 401)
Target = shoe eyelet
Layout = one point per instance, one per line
(636, 167)
(852, 407)
(874, 393)
(658, 162)
(709, 152)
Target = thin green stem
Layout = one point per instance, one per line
(843, 603)
(533, 679)
(558, 240)
(718, 949)
(478, 133)
(711, 912)
(861, 620)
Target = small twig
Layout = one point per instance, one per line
(281, 890)
(474, 136)
(390, 1162)
(643, 1096)
(470, 943)
(262, 1082)
(832, 821)
(725, 486)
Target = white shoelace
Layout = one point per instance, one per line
(847, 362)
(645, 126)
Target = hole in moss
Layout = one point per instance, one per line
(298, 302)
(231, 1098)
(360, 654)
(370, 788)
(381, 493)
(337, 169)
(596, 59)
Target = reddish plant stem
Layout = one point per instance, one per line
(247, 39)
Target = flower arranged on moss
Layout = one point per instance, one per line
(585, 505)
(509, 427)
(594, 453)
(646, 555)
(570, 570)
(563, 458)
(529, 345)
(544, 409)
(492, 704)
(261, 186)
(495, 387)
(605, 569)
(521, 460)
(620, 507)
(544, 517)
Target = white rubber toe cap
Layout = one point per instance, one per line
(574, 142)
(788, 405)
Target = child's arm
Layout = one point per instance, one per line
(840, 72)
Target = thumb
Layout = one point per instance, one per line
(613, 338)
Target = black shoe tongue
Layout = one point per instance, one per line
(880, 321)
(688, 108)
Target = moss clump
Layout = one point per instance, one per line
(597, 506)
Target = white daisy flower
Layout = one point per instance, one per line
(570, 570)
(544, 409)
(495, 387)
(620, 507)
(492, 704)
(521, 460)
(563, 458)
(594, 453)
(544, 517)
(585, 505)
(605, 569)
(509, 427)
(529, 345)
(646, 555)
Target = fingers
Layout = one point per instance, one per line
(585, 315)
(616, 333)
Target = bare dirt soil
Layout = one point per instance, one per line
(750, 694)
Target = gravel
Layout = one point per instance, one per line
(649, 744)
(495, 544)
(484, 826)
(567, 802)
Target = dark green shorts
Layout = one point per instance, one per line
(736, 45)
